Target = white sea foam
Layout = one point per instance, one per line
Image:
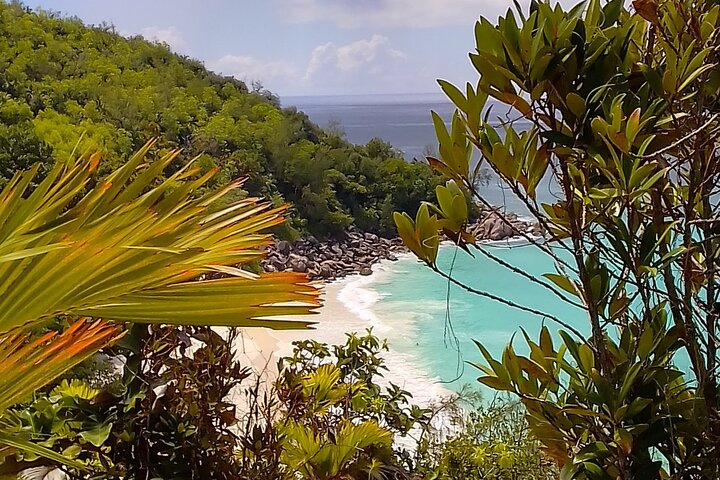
(360, 296)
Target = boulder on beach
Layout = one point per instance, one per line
(283, 247)
(495, 226)
(371, 237)
(326, 271)
(353, 253)
(278, 264)
(298, 266)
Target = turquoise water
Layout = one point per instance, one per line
(436, 324)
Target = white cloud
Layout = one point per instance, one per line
(352, 56)
(390, 13)
(251, 69)
(329, 66)
(169, 35)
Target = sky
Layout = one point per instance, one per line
(308, 47)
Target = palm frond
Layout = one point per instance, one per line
(27, 364)
(25, 445)
(228, 302)
(131, 248)
(133, 245)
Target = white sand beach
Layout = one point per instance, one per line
(347, 307)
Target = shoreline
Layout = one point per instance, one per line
(356, 252)
(348, 307)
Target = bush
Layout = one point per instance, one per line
(486, 441)
(335, 417)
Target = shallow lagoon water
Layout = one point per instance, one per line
(434, 324)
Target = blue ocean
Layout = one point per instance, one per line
(424, 317)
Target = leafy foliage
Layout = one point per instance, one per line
(179, 421)
(128, 247)
(61, 81)
(177, 416)
(623, 108)
(173, 418)
(484, 441)
(65, 420)
(337, 419)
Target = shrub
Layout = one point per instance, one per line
(474, 440)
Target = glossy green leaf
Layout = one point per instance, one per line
(562, 282)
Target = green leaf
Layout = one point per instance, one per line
(31, 252)
(441, 130)
(562, 282)
(638, 405)
(546, 343)
(495, 383)
(72, 451)
(611, 12)
(694, 75)
(406, 229)
(633, 126)
(454, 94)
(98, 434)
(645, 344)
(576, 104)
(558, 138)
(647, 244)
(629, 381)
(653, 78)
(592, 451)
(569, 471)
(587, 357)
(571, 345)
(16, 441)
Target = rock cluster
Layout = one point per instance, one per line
(492, 226)
(358, 251)
(331, 259)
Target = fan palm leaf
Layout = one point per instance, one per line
(134, 247)
(125, 244)
(27, 364)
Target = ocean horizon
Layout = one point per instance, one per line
(403, 120)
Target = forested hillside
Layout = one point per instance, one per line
(61, 80)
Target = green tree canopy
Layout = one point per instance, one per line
(62, 82)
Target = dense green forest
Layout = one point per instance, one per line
(61, 81)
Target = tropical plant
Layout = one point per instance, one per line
(345, 454)
(316, 421)
(131, 247)
(65, 420)
(180, 420)
(477, 439)
(359, 362)
(336, 420)
(623, 119)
